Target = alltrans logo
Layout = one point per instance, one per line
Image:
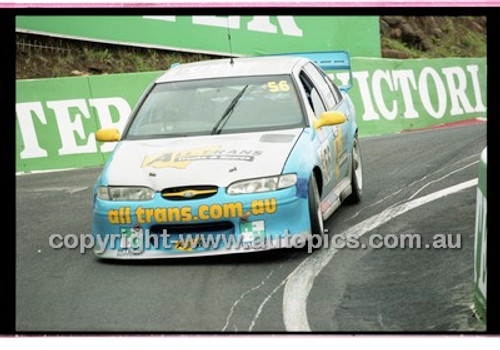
(181, 159)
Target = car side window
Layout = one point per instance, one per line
(336, 91)
(313, 96)
(323, 87)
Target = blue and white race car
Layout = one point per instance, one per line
(223, 154)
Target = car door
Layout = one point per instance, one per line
(324, 135)
(344, 141)
(334, 153)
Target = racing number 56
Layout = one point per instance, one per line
(278, 87)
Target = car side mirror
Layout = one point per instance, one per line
(329, 118)
(108, 135)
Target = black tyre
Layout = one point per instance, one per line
(356, 175)
(315, 214)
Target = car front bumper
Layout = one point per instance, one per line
(221, 224)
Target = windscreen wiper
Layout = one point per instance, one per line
(225, 116)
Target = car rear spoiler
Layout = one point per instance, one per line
(328, 61)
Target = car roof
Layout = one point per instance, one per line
(223, 68)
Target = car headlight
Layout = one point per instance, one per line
(125, 193)
(264, 184)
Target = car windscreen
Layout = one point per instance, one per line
(217, 106)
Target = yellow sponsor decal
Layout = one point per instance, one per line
(178, 159)
(187, 246)
(123, 215)
(119, 216)
(325, 155)
(181, 159)
(266, 206)
(338, 143)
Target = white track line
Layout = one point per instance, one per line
(416, 182)
(261, 306)
(300, 281)
(442, 178)
(69, 190)
(34, 172)
(242, 296)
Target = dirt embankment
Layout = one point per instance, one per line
(432, 36)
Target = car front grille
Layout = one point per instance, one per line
(188, 192)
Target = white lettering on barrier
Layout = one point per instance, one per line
(364, 88)
(162, 18)
(257, 23)
(457, 91)
(378, 77)
(431, 89)
(423, 88)
(286, 23)
(473, 70)
(403, 78)
(343, 77)
(24, 111)
(262, 24)
(68, 127)
(231, 22)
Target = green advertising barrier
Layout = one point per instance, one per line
(250, 35)
(480, 268)
(41, 128)
(56, 118)
(394, 95)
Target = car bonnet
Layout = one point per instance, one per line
(200, 160)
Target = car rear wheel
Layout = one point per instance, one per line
(315, 214)
(356, 175)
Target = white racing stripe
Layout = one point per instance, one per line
(300, 281)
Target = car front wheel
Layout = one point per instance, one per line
(316, 216)
(356, 174)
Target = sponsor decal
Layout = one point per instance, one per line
(181, 159)
(131, 238)
(123, 215)
(340, 152)
(325, 156)
(189, 245)
(253, 230)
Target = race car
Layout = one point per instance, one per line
(220, 155)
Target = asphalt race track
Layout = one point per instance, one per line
(410, 187)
